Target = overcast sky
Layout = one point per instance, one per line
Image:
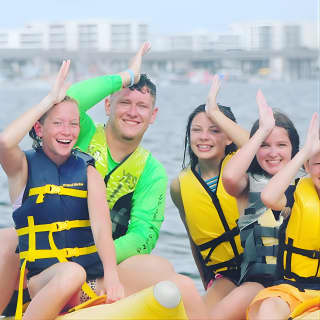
(163, 16)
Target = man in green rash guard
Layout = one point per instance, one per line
(136, 187)
(130, 111)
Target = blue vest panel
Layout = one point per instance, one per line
(53, 207)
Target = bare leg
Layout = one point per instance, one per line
(9, 265)
(220, 288)
(193, 302)
(272, 308)
(234, 305)
(63, 278)
(143, 271)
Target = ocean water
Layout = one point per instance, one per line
(165, 137)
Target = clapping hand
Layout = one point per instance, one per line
(312, 144)
(266, 118)
(211, 104)
(135, 63)
(60, 87)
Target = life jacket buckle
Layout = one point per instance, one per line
(53, 189)
(61, 225)
(315, 254)
(72, 252)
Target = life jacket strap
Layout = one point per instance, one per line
(51, 253)
(54, 189)
(312, 254)
(259, 231)
(18, 315)
(53, 227)
(231, 264)
(258, 270)
(271, 232)
(74, 253)
(61, 254)
(225, 237)
(254, 262)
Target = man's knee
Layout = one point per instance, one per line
(147, 262)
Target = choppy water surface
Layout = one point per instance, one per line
(165, 137)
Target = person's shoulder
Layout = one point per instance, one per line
(85, 157)
(175, 186)
(29, 153)
(155, 166)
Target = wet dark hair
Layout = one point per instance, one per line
(282, 121)
(32, 133)
(187, 148)
(145, 82)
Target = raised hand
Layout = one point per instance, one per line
(266, 118)
(211, 104)
(60, 87)
(135, 63)
(312, 144)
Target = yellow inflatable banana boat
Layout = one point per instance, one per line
(307, 310)
(162, 301)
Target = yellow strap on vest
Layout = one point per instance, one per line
(63, 258)
(54, 227)
(18, 315)
(53, 189)
(61, 254)
(90, 303)
(51, 253)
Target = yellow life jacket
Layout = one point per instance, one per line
(120, 182)
(211, 219)
(301, 257)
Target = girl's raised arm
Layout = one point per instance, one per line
(234, 177)
(12, 159)
(273, 195)
(236, 133)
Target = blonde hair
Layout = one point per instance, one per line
(36, 143)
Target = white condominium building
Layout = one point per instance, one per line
(99, 35)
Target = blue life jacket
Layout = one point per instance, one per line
(55, 201)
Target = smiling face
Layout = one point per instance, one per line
(59, 131)
(313, 168)
(207, 140)
(130, 113)
(275, 152)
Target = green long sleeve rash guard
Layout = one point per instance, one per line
(148, 201)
